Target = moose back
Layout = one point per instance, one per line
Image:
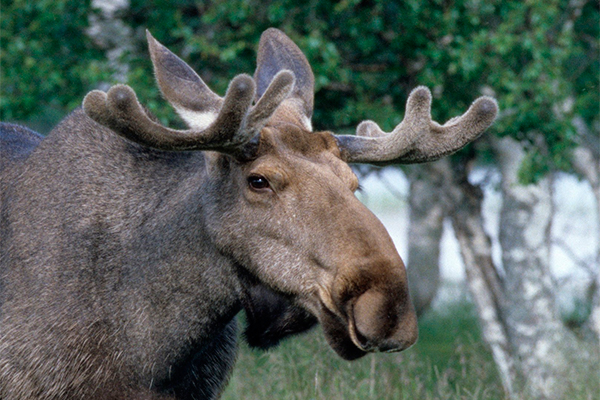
(127, 248)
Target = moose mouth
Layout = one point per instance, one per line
(341, 336)
(369, 323)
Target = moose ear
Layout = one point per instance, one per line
(277, 52)
(183, 88)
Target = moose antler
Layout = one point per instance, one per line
(220, 124)
(417, 138)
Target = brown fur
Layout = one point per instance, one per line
(127, 248)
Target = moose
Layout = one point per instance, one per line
(127, 248)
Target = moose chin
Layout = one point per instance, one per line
(127, 248)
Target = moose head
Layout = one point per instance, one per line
(279, 199)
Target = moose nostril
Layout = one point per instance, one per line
(374, 315)
(381, 322)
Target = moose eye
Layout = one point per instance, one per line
(258, 182)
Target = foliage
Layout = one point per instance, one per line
(47, 63)
(540, 59)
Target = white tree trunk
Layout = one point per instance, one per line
(539, 340)
(483, 281)
(586, 160)
(537, 356)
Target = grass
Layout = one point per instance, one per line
(450, 361)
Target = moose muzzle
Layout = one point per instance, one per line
(360, 320)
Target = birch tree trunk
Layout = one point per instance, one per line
(424, 233)
(586, 160)
(484, 284)
(539, 341)
(536, 354)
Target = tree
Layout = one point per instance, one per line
(534, 343)
(426, 224)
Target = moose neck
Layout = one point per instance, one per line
(128, 225)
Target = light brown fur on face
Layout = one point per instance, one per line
(342, 263)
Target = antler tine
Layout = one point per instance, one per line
(120, 111)
(221, 124)
(279, 89)
(418, 138)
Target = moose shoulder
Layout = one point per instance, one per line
(127, 248)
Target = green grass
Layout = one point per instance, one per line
(449, 361)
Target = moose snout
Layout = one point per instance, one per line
(366, 307)
(381, 320)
